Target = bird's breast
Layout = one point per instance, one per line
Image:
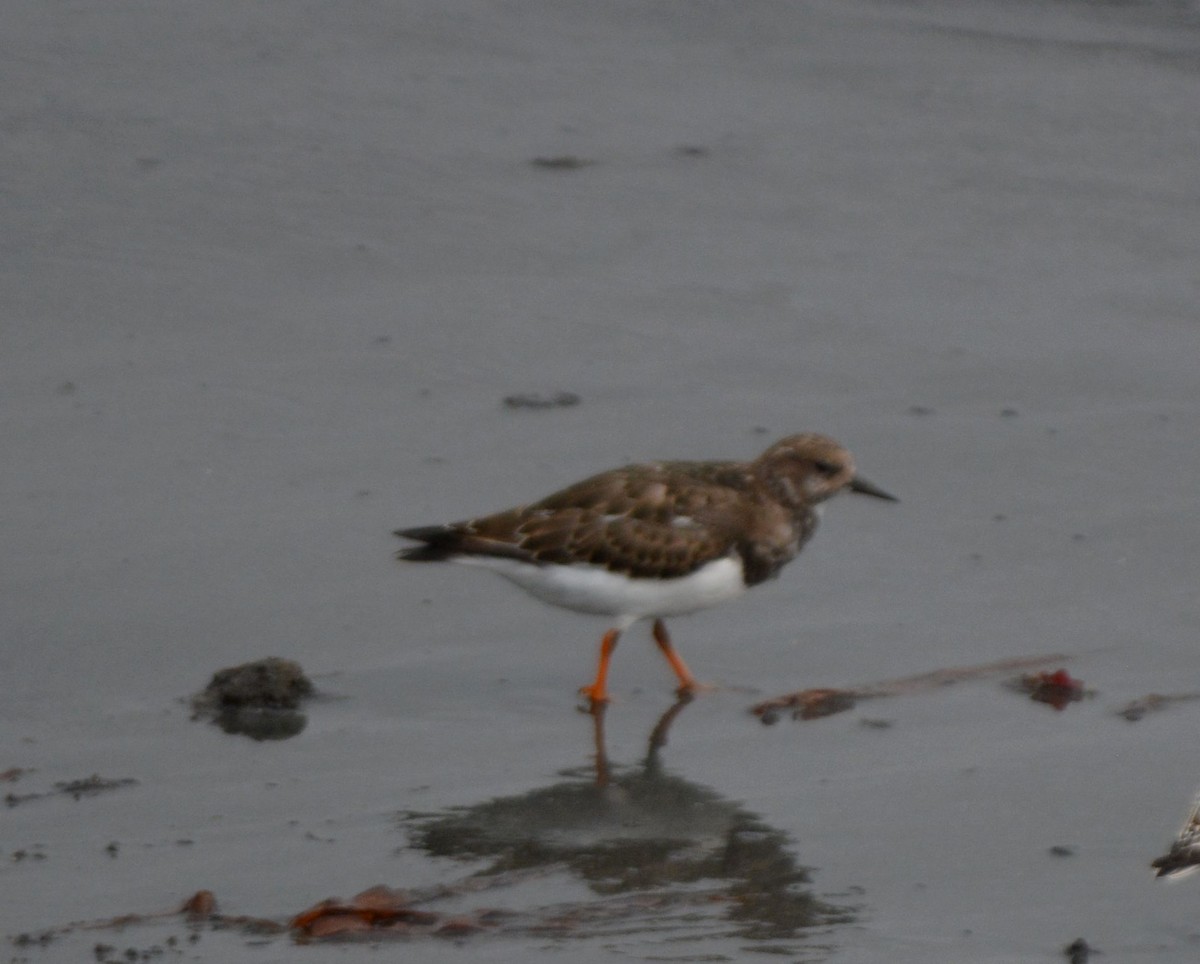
(595, 589)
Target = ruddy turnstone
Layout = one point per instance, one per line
(655, 540)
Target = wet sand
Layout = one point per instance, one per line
(271, 273)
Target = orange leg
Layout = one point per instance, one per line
(598, 691)
(687, 682)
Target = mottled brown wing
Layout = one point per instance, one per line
(632, 520)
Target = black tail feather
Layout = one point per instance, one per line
(440, 543)
(454, 542)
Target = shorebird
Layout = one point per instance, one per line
(655, 540)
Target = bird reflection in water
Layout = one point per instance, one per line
(659, 853)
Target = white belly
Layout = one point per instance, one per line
(591, 589)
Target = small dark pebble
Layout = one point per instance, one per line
(919, 410)
(561, 162)
(873, 724)
(1134, 711)
(535, 401)
(1009, 413)
(1061, 850)
(691, 150)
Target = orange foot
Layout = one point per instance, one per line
(596, 696)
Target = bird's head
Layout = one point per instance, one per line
(804, 470)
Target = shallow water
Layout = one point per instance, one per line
(270, 272)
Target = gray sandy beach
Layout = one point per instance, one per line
(270, 273)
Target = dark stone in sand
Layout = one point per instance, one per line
(258, 699)
(562, 162)
(533, 400)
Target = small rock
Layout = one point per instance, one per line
(258, 699)
(536, 401)
(561, 162)
(272, 683)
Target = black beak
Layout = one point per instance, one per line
(859, 484)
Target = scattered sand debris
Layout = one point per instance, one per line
(199, 909)
(1134, 710)
(90, 786)
(76, 789)
(259, 699)
(812, 704)
(382, 912)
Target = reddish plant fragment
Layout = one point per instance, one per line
(812, 704)
(201, 905)
(1057, 688)
(809, 704)
(377, 907)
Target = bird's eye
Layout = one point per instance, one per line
(827, 468)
